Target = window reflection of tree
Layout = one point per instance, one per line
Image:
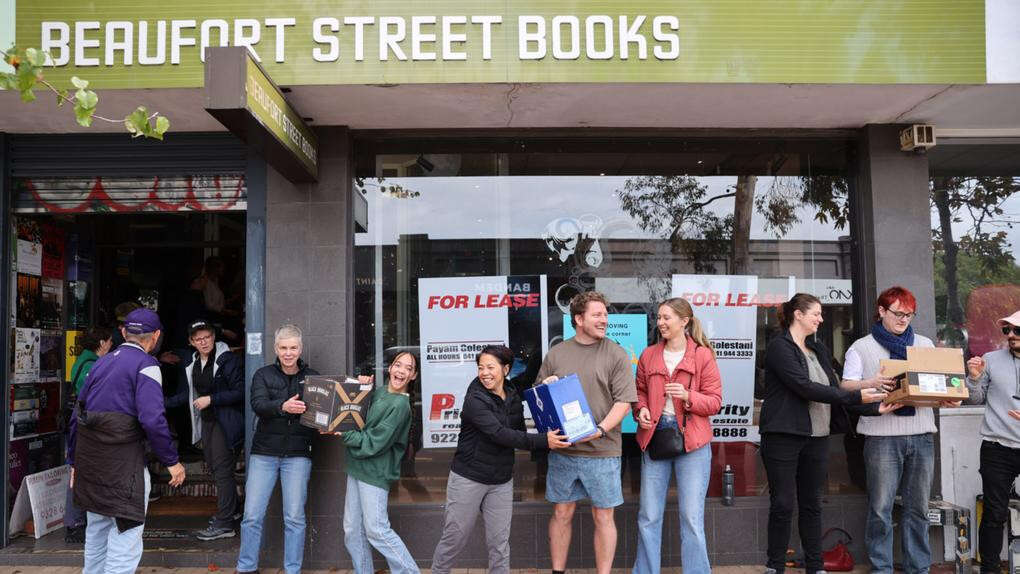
(970, 243)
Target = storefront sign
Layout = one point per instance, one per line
(458, 316)
(41, 498)
(241, 95)
(727, 307)
(139, 45)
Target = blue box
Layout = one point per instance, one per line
(561, 405)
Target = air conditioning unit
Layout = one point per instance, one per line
(917, 137)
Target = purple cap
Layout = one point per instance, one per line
(142, 321)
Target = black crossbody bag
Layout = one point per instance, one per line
(669, 443)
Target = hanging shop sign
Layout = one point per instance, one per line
(134, 44)
(241, 96)
(458, 317)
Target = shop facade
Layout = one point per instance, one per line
(698, 149)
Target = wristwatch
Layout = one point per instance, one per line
(602, 431)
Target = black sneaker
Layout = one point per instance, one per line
(74, 535)
(215, 533)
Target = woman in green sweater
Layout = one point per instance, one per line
(373, 464)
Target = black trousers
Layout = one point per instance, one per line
(999, 468)
(796, 467)
(221, 460)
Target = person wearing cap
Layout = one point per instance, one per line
(212, 386)
(994, 381)
(120, 408)
(120, 313)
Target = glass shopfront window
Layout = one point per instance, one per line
(451, 232)
(975, 209)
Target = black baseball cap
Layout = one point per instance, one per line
(200, 325)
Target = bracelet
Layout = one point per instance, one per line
(601, 430)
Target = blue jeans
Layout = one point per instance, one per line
(692, 473)
(107, 549)
(367, 526)
(905, 464)
(262, 472)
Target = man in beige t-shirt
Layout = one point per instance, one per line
(590, 468)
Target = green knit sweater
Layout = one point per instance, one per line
(374, 452)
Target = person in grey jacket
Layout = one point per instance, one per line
(994, 381)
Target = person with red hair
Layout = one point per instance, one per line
(899, 453)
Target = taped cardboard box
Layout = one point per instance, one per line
(561, 405)
(928, 376)
(335, 403)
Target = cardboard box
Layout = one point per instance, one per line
(335, 403)
(561, 405)
(927, 377)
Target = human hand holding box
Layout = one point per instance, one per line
(561, 405)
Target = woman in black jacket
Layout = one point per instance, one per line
(797, 418)
(481, 476)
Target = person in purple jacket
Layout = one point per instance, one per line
(119, 408)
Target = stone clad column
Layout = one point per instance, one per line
(309, 280)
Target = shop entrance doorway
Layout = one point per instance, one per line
(178, 248)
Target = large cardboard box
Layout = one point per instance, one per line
(927, 377)
(561, 405)
(335, 403)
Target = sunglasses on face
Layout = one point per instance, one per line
(1015, 330)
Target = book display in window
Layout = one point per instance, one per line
(51, 355)
(26, 355)
(28, 303)
(53, 240)
(51, 311)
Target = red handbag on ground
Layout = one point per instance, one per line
(838, 558)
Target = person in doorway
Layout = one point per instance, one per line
(678, 387)
(590, 468)
(212, 385)
(797, 418)
(373, 464)
(281, 448)
(481, 476)
(899, 452)
(95, 343)
(993, 381)
(120, 408)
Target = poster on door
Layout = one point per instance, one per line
(630, 331)
(727, 306)
(458, 317)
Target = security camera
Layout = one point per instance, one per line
(917, 137)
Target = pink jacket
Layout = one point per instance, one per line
(700, 376)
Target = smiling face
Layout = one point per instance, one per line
(809, 320)
(591, 325)
(670, 324)
(288, 351)
(492, 373)
(402, 371)
(896, 318)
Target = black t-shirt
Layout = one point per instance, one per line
(202, 380)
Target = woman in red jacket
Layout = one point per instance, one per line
(678, 387)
